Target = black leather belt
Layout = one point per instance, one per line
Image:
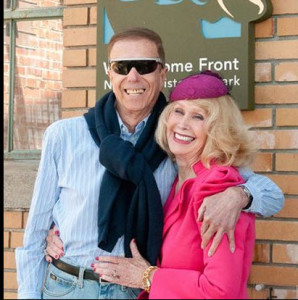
(73, 270)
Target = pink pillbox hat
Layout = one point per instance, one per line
(204, 85)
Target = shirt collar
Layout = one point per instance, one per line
(124, 130)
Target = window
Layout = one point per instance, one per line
(33, 48)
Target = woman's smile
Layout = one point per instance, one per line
(186, 131)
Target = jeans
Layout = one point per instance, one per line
(61, 285)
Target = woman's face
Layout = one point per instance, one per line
(186, 131)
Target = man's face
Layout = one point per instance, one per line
(136, 94)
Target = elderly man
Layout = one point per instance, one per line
(103, 180)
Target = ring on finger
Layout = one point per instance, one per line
(115, 274)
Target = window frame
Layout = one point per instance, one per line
(12, 15)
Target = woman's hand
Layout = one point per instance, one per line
(54, 245)
(120, 270)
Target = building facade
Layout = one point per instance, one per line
(63, 84)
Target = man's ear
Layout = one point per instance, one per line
(109, 73)
(164, 72)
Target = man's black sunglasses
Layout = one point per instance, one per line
(144, 66)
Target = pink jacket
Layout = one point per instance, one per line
(186, 271)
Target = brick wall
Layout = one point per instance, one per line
(275, 122)
(79, 77)
(14, 224)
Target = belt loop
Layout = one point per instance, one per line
(81, 278)
(123, 288)
(45, 277)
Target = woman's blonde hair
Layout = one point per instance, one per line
(229, 142)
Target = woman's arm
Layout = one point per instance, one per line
(224, 275)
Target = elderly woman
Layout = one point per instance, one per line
(203, 131)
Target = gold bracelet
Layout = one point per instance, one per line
(146, 280)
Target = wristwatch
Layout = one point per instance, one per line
(249, 196)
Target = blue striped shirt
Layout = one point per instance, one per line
(66, 192)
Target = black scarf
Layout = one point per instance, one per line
(129, 200)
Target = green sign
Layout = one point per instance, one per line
(197, 35)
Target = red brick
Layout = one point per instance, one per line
(277, 230)
(274, 275)
(10, 295)
(93, 15)
(264, 29)
(276, 94)
(9, 260)
(285, 253)
(287, 26)
(287, 71)
(10, 280)
(92, 57)
(262, 253)
(31, 93)
(74, 98)
(262, 162)
(287, 116)
(80, 36)
(75, 58)
(287, 183)
(32, 83)
(77, 2)
(287, 161)
(25, 216)
(79, 78)
(91, 98)
(72, 113)
(75, 16)
(276, 139)
(258, 117)
(16, 239)
(12, 219)
(284, 7)
(290, 209)
(253, 294)
(276, 50)
(285, 293)
(6, 239)
(263, 72)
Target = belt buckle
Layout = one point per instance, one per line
(102, 281)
